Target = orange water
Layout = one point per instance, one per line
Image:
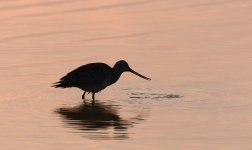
(198, 54)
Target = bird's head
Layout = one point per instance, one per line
(122, 66)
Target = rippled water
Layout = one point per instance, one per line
(197, 53)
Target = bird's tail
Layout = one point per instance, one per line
(62, 84)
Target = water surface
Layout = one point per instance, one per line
(197, 53)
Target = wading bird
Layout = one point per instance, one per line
(95, 77)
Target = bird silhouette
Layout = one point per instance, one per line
(94, 77)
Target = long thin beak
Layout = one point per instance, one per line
(138, 74)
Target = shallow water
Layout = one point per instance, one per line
(197, 53)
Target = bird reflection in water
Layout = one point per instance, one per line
(100, 122)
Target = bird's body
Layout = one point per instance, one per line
(94, 77)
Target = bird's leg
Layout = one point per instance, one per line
(93, 96)
(83, 97)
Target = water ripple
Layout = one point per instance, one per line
(87, 9)
(25, 6)
(150, 94)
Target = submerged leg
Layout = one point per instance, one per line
(93, 96)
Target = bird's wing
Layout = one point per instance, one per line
(95, 73)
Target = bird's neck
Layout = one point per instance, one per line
(116, 74)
